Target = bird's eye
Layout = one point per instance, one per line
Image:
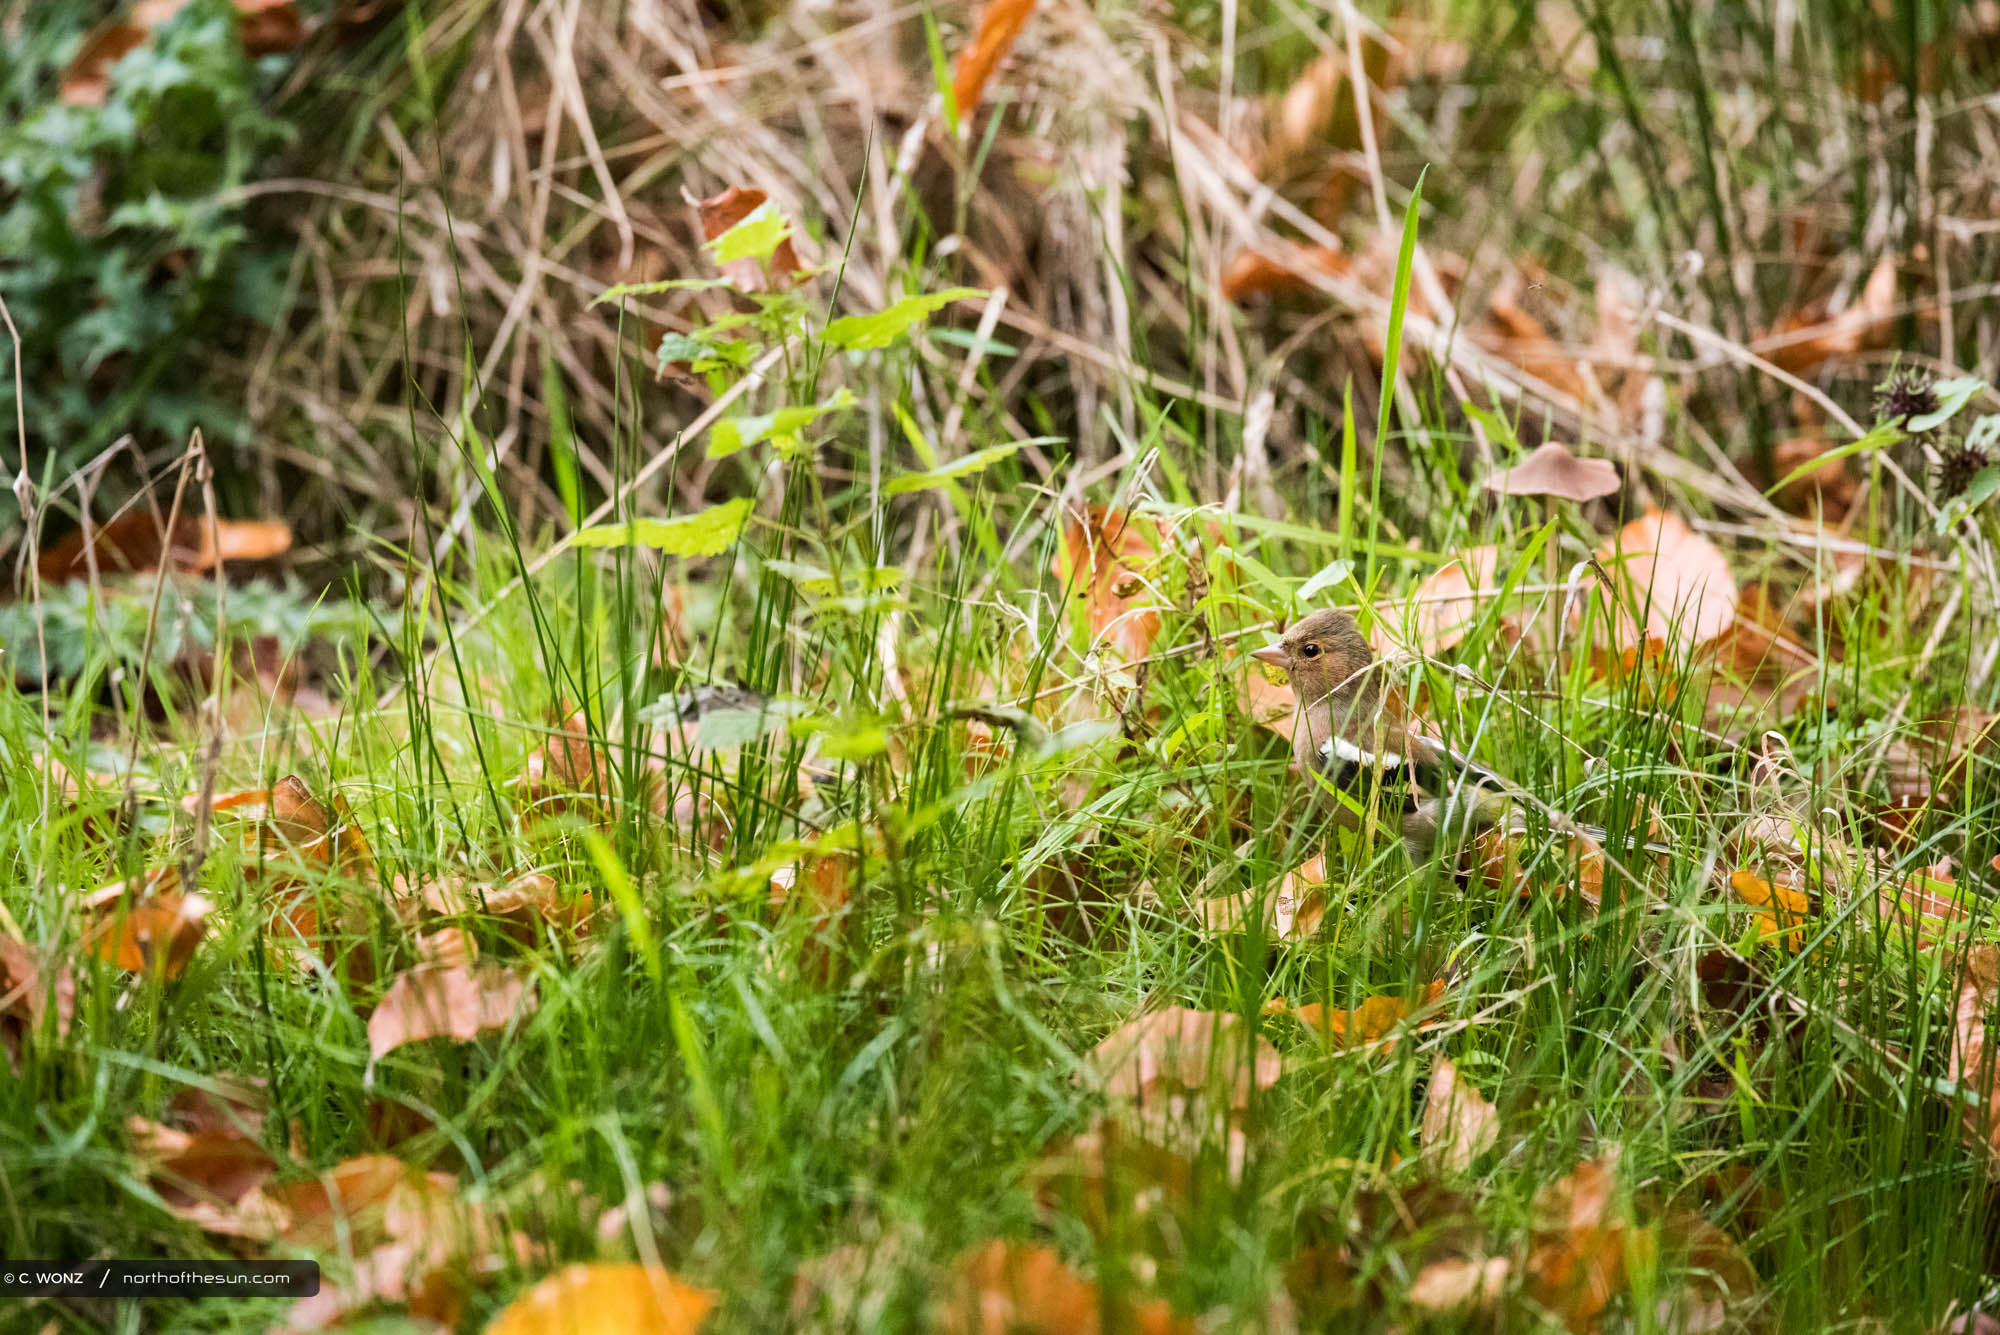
(1310, 651)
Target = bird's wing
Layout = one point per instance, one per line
(1353, 769)
(1428, 766)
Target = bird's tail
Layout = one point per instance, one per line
(1471, 809)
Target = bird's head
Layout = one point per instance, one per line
(1324, 654)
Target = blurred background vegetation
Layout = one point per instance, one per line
(355, 242)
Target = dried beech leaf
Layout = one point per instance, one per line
(437, 1001)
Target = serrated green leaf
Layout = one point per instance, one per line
(754, 238)
(1952, 395)
(623, 290)
(705, 533)
(813, 580)
(859, 332)
(680, 348)
(781, 426)
(977, 461)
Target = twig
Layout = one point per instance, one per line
(31, 524)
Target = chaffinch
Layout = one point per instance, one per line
(1347, 741)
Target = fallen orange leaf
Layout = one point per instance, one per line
(1178, 1049)
(265, 27)
(204, 1175)
(357, 1198)
(1828, 489)
(1017, 1288)
(1000, 22)
(520, 907)
(607, 1300)
(1371, 1021)
(1804, 341)
(721, 212)
(1267, 703)
(1438, 611)
(1253, 273)
(1971, 1062)
(1291, 912)
(1576, 1263)
(137, 543)
(26, 995)
(1453, 1285)
(1103, 560)
(1458, 1124)
(147, 925)
(1784, 906)
(438, 1001)
(1518, 338)
(1674, 577)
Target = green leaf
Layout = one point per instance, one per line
(859, 332)
(845, 738)
(623, 290)
(625, 895)
(813, 580)
(973, 343)
(799, 573)
(705, 533)
(1331, 574)
(1886, 434)
(1984, 483)
(1977, 492)
(732, 729)
(1399, 301)
(1952, 395)
(976, 462)
(754, 238)
(681, 348)
(1259, 573)
(781, 427)
(1498, 429)
(1193, 727)
(941, 73)
(855, 743)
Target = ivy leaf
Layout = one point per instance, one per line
(782, 427)
(859, 332)
(705, 533)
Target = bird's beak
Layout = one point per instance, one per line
(1271, 654)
